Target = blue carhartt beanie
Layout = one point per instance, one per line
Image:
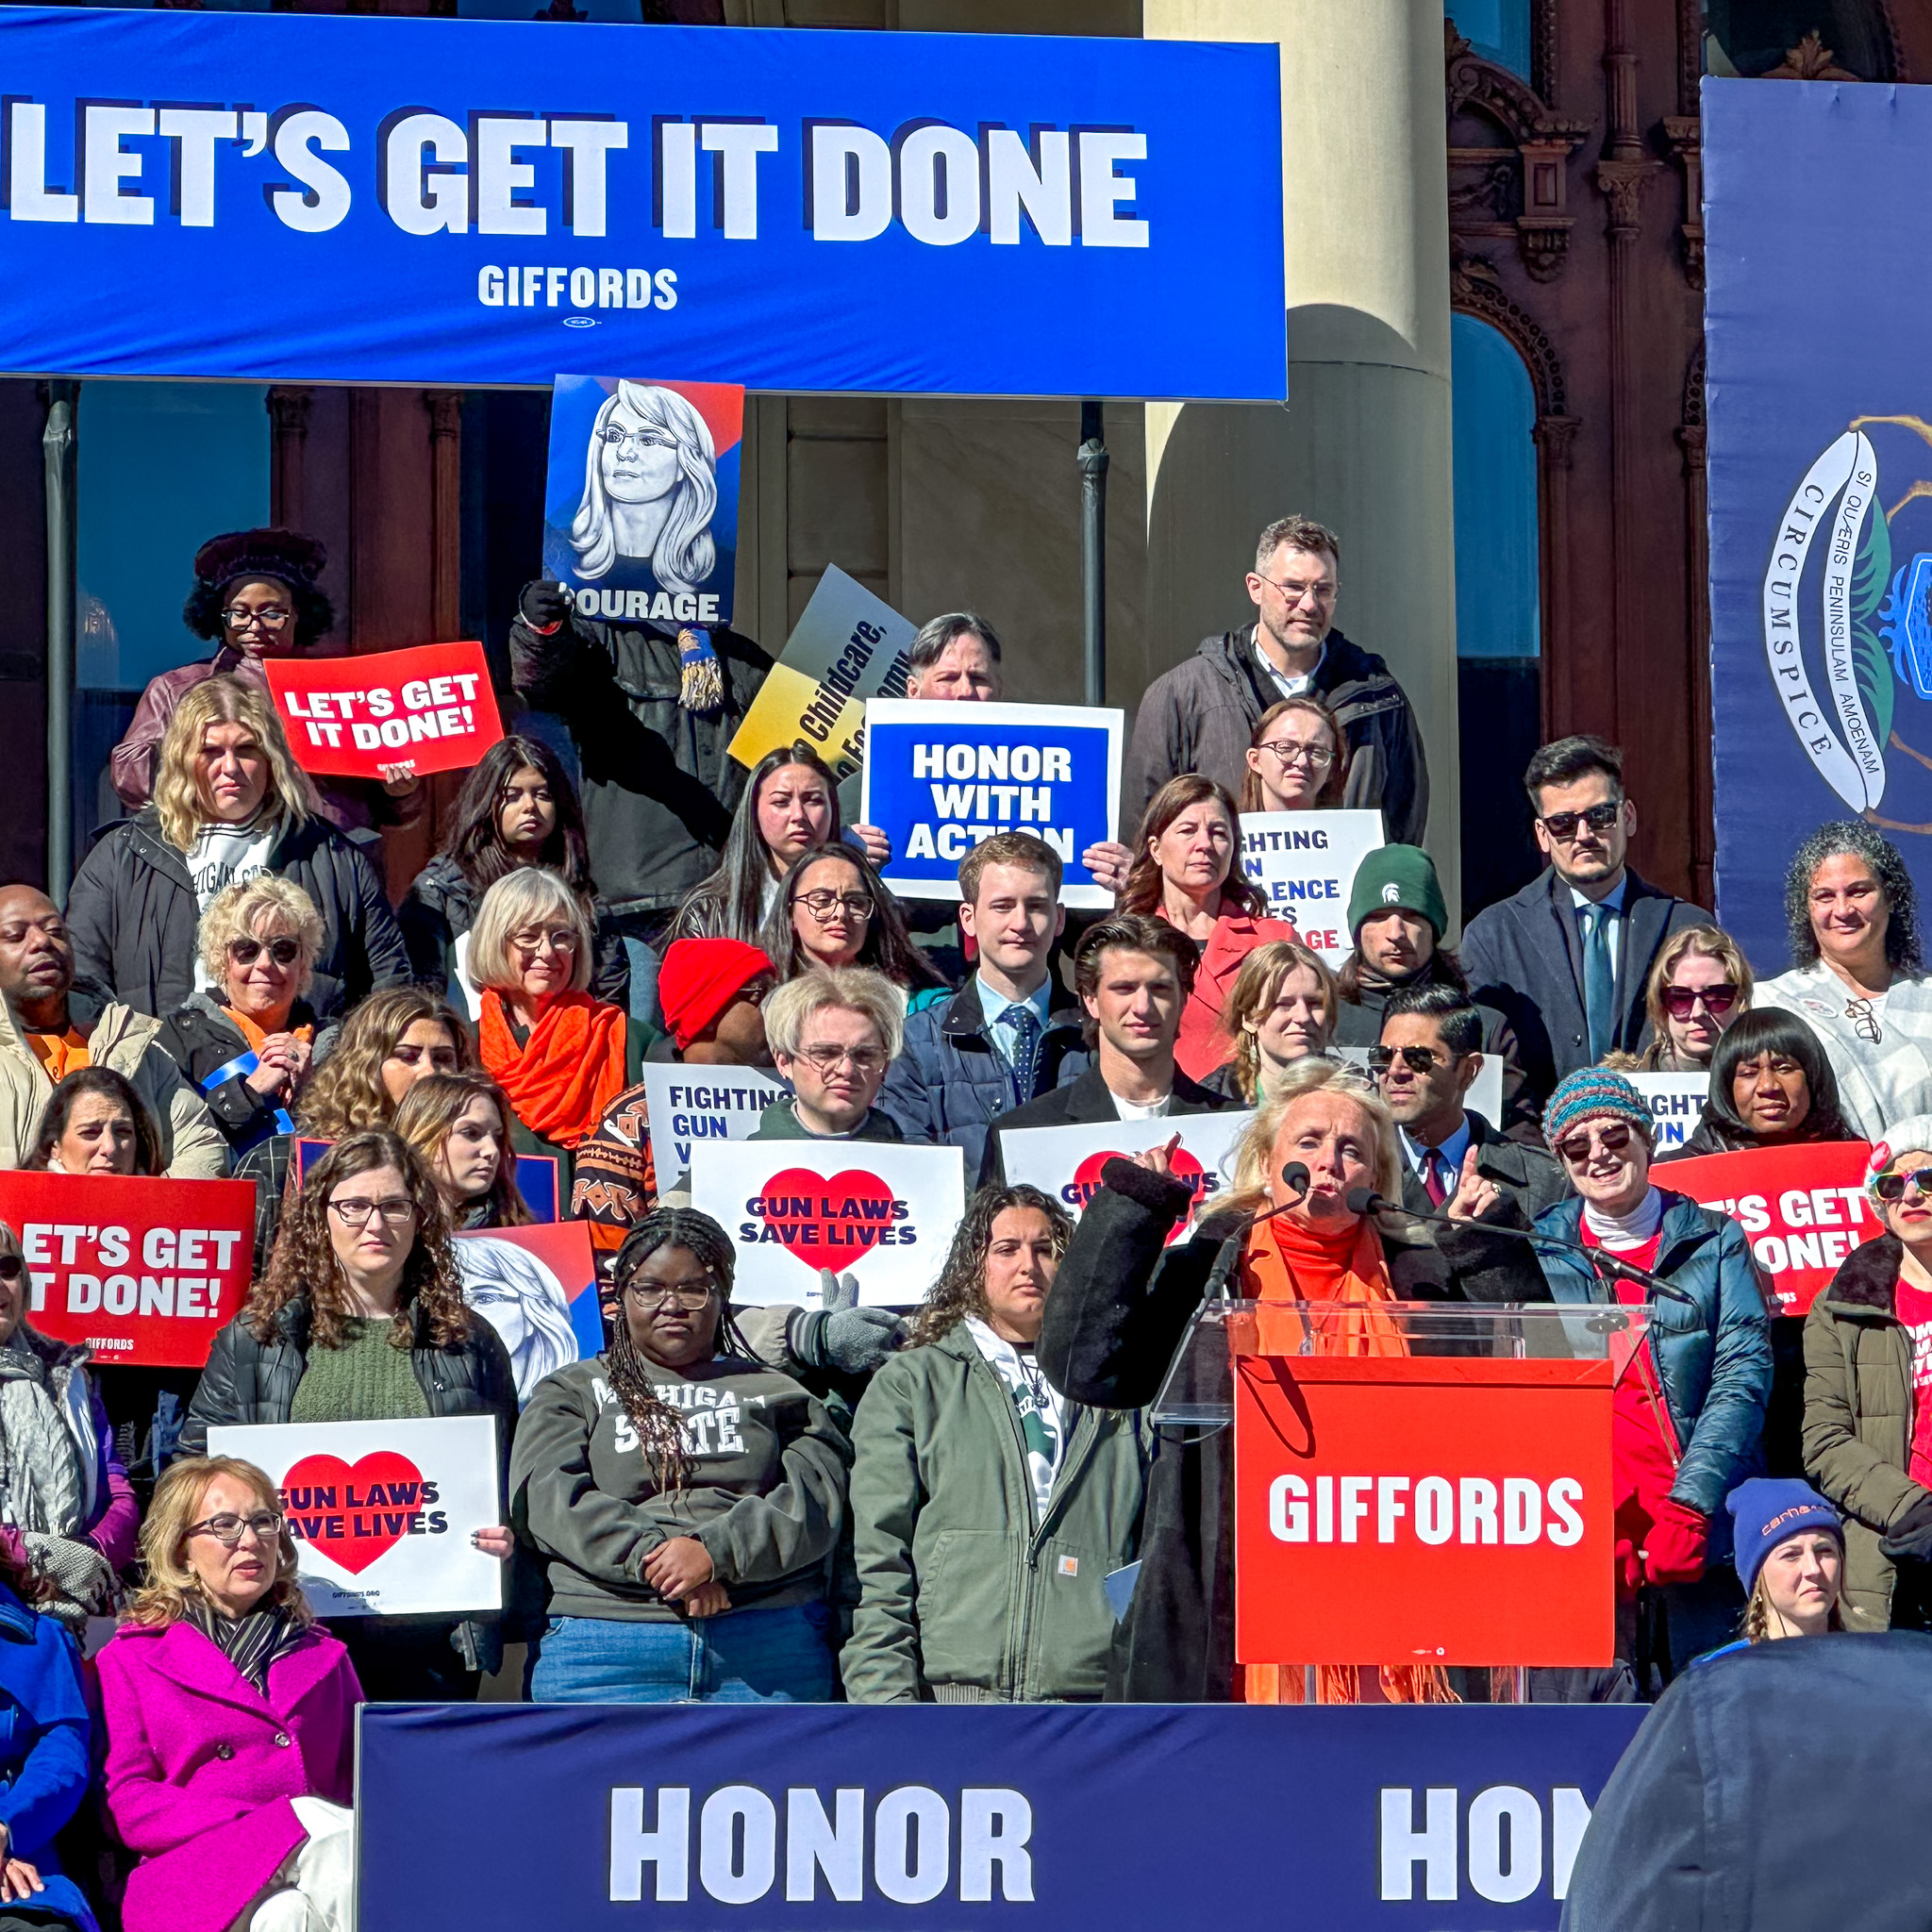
(1765, 1511)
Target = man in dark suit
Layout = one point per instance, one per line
(1132, 974)
(1567, 957)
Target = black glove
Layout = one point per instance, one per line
(851, 1340)
(1912, 1535)
(544, 604)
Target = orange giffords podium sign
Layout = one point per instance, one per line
(1446, 1500)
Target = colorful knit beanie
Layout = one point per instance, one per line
(1597, 1094)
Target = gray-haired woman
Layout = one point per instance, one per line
(1857, 974)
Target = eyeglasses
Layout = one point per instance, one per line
(821, 903)
(866, 1059)
(1680, 1002)
(282, 952)
(228, 1529)
(1613, 1138)
(357, 1213)
(1892, 1187)
(271, 616)
(1418, 1060)
(1864, 1020)
(11, 1267)
(1561, 825)
(1299, 593)
(558, 938)
(691, 1294)
(1285, 751)
(644, 439)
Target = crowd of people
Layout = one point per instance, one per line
(962, 1501)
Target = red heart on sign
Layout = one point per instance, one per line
(352, 1516)
(1181, 1164)
(827, 1223)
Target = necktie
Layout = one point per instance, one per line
(1434, 1167)
(1599, 982)
(1025, 1049)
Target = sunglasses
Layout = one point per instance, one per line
(246, 952)
(1418, 1060)
(1579, 1147)
(1561, 825)
(1680, 1002)
(1892, 1187)
(11, 1267)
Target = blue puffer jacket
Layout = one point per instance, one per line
(43, 1748)
(1713, 1360)
(949, 1083)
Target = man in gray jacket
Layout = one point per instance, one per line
(1201, 715)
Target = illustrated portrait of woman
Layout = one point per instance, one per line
(523, 1301)
(650, 488)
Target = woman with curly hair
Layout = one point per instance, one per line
(685, 1499)
(1858, 976)
(361, 1319)
(517, 807)
(257, 592)
(230, 1716)
(961, 1445)
(229, 804)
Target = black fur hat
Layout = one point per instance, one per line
(286, 556)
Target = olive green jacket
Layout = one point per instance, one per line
(962, 1596)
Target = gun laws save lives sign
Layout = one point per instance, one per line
(382, 1513)
(1066, 1162)
(876, 1210)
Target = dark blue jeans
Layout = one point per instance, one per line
(745, 1656)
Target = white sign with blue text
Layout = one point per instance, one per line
(689, 1104)
(941, 778)
(1305, 863)
(1676, 1104)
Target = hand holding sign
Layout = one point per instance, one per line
(395, 715)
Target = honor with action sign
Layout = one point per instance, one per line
(143, 1271)
(689, 1104)
(941, 778)
(880, 1212)
(426, 710)
(1066, 1162)
(1305, 864)
(382, 1513)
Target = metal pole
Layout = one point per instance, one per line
(57, 450)
(1093, 460)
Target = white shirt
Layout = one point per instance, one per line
(1133, 1111)
(1879, 1080)
(1289, 687)
(224, 855)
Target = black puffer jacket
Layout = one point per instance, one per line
(658, 789)
(441, 907)
(201, 1040)
(1120, 1305)
(133, 915)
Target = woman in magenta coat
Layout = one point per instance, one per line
(231, 1720)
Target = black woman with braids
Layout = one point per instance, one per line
(685, 1499)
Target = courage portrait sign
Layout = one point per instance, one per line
(881, 1212)
(143, 1271)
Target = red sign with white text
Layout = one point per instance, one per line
(144, 1271)
(427, 710)
(1422, 1509)
(1803, 1209)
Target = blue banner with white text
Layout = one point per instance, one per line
(297, 197)
(1117, 1818)
(1820, 384)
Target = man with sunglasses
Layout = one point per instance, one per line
(1201, 715)
(52, 1026)
(1428, 1059)
(1569, 957)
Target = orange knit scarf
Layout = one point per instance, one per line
(569, 1070)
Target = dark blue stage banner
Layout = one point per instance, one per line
(1820, 385)
(1113, 1817)
(297, 197)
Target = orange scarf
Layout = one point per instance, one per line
(568, 1071)
(256, 1035)
(1285, 1262)
(61, 1052)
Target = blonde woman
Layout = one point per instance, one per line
(650, 489)
(229, 804)
(1789, 1553)
(229, 1715)
(1123, 1300)
(559, 1053)
(1700, 983)
(247, 1040)
(1281, 1009)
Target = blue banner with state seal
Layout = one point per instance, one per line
(1818, 378)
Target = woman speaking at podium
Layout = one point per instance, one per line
(1124, 1299)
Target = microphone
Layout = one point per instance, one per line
(1365, 1201)
(1294, 1177)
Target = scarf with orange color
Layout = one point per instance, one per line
(1284, 1261)
(569, 1070)
(61, 1052)
(256, 1035)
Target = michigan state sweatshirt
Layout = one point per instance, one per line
(766, 1495)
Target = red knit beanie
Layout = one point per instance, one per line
(699, 979)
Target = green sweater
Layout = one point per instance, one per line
(366, 1380)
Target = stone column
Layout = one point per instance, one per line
(1364, 444)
